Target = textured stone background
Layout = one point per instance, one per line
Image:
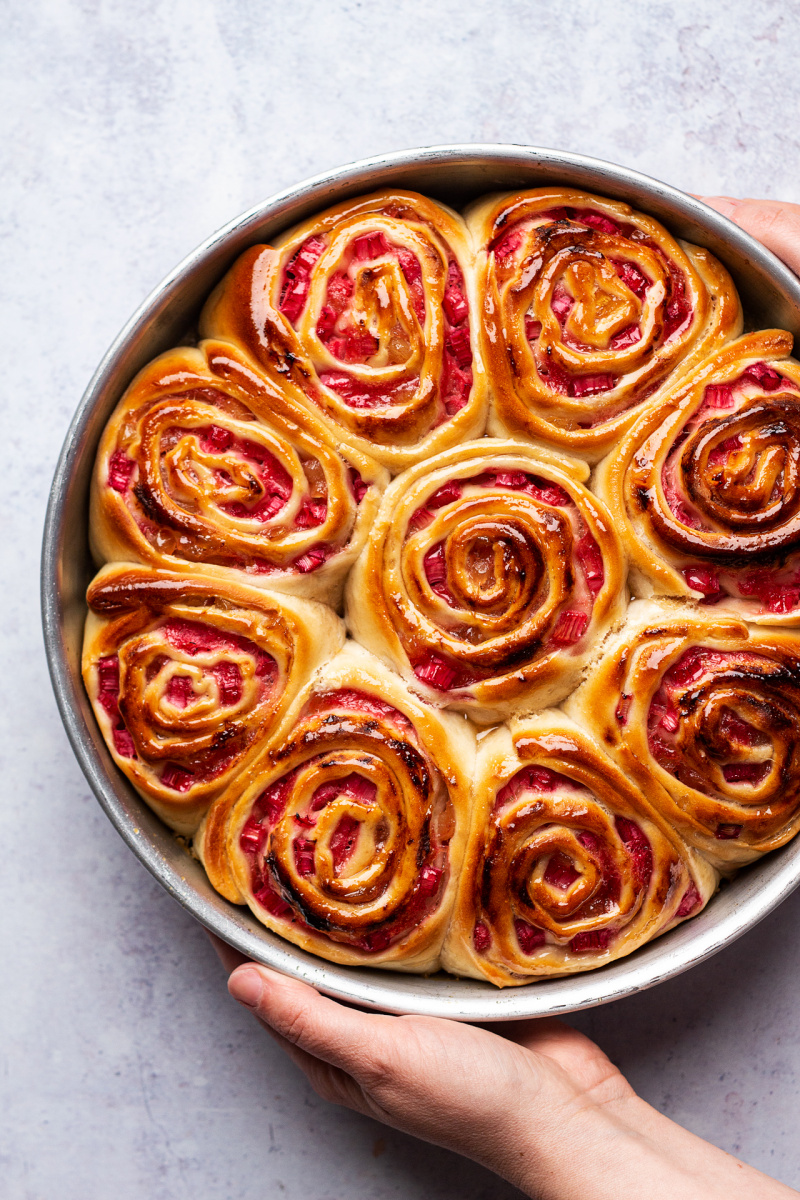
(130, 133)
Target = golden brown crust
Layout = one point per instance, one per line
(209, 468)
(346, 835)
(489, 576)
(704, 712)
(705, 487)
(369, 310)
(567, 866)
(187, 676)
(588, 309)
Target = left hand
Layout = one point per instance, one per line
(535, 1101)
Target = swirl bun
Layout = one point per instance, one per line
(346, 835)
(188, 675)
(368, 308)
(705, 488)
(488, 577)
(704, 713)
(589, 308)
(567, 866)
(207, 467)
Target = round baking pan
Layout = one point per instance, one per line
(455, 174)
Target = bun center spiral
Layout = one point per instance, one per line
(728, 725)
(352, 837)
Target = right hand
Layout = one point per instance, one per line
(774, 223)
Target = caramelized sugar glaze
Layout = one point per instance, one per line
(348, 834)
(205, 464)
(188, 676)
(705, 713)
(243, 494)
(706, 486)
(568, 866)
(589, 309)
(492, 573)
(369, 310)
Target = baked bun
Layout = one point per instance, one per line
(567, 866)
(705, 488)
(488, 578)
(369, 309)
(346, 836)
(704, 712)
(588, 309)
(187, 676)
(209, 468)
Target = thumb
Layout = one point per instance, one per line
(774, 223)
(311, 1024)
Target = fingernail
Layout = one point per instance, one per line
(246, 986)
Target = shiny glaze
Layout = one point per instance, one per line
(568, 866)
(188, 676)
(368, 310)
(705, 713)
(342, 836)
(589, 308)
(205, 464)
(707, 486)
(490, 574)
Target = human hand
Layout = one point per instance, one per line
(775, 223)
(535, 1101)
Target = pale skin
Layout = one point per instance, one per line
(572, 1127)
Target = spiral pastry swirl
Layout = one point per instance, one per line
(206, 466)
(368, 308)
(705, 488)
(346, 836)
(588, 309)
(704, 713)
(488, 578)
(187, 676)
(567, 866)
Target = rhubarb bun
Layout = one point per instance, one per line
(488, 578)
(588, 309)
(705, 488)
(567, 866)
(369, 309)
(704, 712)
(188, 675)
(209, 468)
(346, 836)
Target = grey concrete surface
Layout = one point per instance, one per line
(130, 132)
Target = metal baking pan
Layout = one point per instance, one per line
(455, 174)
